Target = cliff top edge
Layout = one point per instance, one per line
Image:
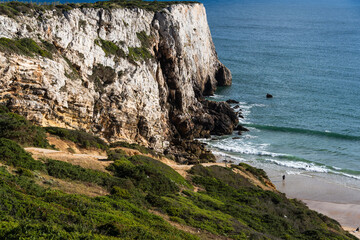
(15, 8)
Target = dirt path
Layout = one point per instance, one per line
(90, 161)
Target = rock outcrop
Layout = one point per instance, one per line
(124, 74)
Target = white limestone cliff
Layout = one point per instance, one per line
(144, 100)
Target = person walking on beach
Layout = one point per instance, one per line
(283, 177)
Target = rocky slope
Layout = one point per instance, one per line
(122, 73)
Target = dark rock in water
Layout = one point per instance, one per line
(239, 114)
(223, 117)
(236, 138)
(269, 95)
(241, 128)
(230, 101)
(236, 107)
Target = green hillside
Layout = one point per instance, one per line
(224, 205)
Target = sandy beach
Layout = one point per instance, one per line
(337, 201)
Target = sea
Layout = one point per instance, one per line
(307, 55)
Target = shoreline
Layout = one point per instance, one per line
(335, 200)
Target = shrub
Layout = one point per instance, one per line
(25, 172)
(134, 146)
(24, 46)
(259, 173)
(110, 48)
(20, 130)
(137, 54)
(144, 39)
(13, 155)
(65, 170)
(116, 154)
(81, 138)
(150, 175)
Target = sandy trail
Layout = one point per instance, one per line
(90, 161)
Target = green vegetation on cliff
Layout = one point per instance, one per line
(226, 204)
(24, 46)
(15, 8)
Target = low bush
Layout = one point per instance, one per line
(110, 48)
(116, 154)
(81, 138)
(24, 46)
(14, 155)
(20, 130)
(134, 146)
(144, 176)
(65, 170)
(28, 211)
(139, 53)
(257, 172)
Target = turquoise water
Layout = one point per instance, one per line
(307, 55)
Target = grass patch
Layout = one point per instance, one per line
(24, 46)
(20, 130)
(81, 138)
(137, 54)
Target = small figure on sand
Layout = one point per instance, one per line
(357, 229)
(283, 177)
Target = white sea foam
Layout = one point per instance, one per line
(258, 105)
(239, 146)
(310, 167)
(217, 96)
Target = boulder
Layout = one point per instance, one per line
(268, 95)
(232, 101)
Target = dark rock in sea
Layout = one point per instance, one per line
(269, 95)
(232, 101)
(236, 138)
(241, 129)
(236, 107)
(223, 116)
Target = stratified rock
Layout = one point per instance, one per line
(268, 95)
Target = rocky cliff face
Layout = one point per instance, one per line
(125, 74)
